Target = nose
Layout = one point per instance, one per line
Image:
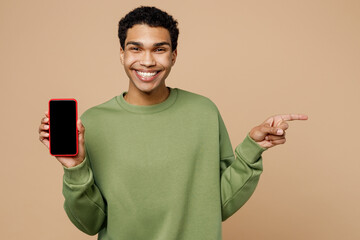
(147, 59)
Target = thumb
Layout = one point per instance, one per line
(80, 127)
(266, 128)
(81, 132)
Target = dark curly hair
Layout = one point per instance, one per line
(151, 16)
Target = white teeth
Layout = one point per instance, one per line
(146, 74)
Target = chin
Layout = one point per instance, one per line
(146, 89)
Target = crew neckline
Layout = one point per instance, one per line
(170, 100)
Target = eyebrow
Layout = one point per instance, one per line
(161, 44)
(141, 44)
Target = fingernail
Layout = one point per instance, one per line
(280, 132)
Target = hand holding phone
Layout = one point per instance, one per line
(69, 160)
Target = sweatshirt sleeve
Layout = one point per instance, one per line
(84, 203)
(239, 173)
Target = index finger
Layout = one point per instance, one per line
(44, 120)
(291, 117)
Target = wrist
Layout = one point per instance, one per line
(71, 164)
(79, 174)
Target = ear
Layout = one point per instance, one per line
(173, 57)
(122, 55)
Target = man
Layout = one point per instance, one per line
(156, 162)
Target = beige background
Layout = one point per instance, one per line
(252, 58)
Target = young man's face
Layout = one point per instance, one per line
(147, 57)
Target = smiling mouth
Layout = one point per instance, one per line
(146, 76)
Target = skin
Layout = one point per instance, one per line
(272, 131)
(148, 49)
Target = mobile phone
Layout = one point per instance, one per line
(63, 132)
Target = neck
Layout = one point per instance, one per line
(143, 98)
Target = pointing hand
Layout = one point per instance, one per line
(272, 132)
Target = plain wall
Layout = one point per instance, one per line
(253, 59)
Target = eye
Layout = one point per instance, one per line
(160, 50)
(134, 49)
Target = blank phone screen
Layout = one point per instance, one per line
(63, 131)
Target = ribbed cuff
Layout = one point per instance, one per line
(79, 174)
(250, 150)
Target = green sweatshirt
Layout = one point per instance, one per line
(160, 172)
